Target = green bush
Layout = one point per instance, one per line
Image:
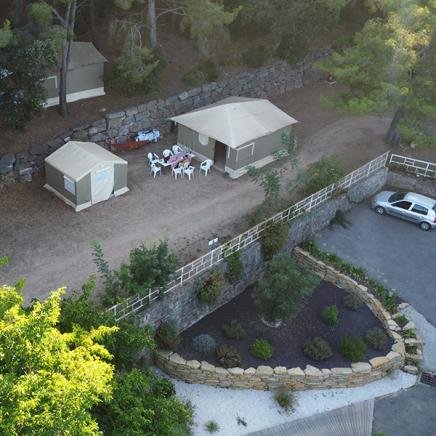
(376, 338)
(212, 427)
(330, 315)
(148, 268)
(234, 330)
(352, 301)
(401, 320)
(261, 349)
(204, 344)
(282, 291)
(228, 356)
(353, 348)
(209, 290)
(166, 337)
(204, 71)
(285, 399)
(234, 267)
(409, 334)
(320, 174)
(273, 238)
(317, 349)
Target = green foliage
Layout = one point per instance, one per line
(282, 291)
(409, 334)
(319, 175)
(353, 348)
(209, 290)
(285, 398)
(273, 238)
(4, 261)
(317, 349)
(228, 356)
(50, 380)
(41, 13)
(148, 268)
(234, 330)
(204, 344)
(261, 349)
(212, 427)
(203, 72)
(166, 337)
(352, 301)
(6, 34)
(330, 315)
(401, 320)
(255, 54)
(411, 349)
(376, 338)
(234, 267)
(22, 71)
(143, 404)
(340, 219)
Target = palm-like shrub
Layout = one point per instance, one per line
(228, 356)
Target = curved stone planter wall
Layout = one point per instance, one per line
(117, 126)
(265, 377)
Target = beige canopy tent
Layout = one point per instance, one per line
(235, 132)
(83, 173)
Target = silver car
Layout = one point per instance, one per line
(408, 206)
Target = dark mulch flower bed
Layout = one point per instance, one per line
(287, 340)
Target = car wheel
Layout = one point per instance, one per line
(424, 226)
(380, 210)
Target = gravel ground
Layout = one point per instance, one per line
(259, 410)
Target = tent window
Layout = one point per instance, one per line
(244, 152)
(69, 185)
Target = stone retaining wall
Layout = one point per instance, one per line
(412, 182)
(116, 127)
(266, 378)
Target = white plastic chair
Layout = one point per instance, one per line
(167, 153)
(206, 166)
(189, 171)
(155, 170)
(152, 158)
(177, 172)
(177, 149)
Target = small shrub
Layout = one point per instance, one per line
(285, 399)
(376, 338)
(255, 55)
(234, 330)
(166, 337)
(401, 320)
(273, 238)
(317, 349)
(261, 349)
(409, 334)
(204, 344)
(212, 427)
(228, 356)
(330, 315)
(234, 266)
(411, 349)
(210, 289)
(204, 71)
(352, 348)
(352, 301)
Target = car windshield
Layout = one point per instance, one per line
(396, 196)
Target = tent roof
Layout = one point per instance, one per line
(76, 159)
(235, 121)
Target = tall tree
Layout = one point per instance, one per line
(49, 381)
(392, 67)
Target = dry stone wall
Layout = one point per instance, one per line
(411, 182)
(265, 377)
(117, 127)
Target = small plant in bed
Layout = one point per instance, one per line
(376, 338)
(352, 348)
(234, 330)
(212, 427)
(401, 320)
(209, 290)
(317, 349)
(330, 315)
(261, 349)
(204, 344)
(166, 336)
(352, 301)
(228, 356)
(409, 334)
(285, 399)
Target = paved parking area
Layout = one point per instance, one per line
(396, 252)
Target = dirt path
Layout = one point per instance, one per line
(48, 243)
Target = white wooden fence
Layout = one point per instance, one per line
(215, 256)
(415, 166)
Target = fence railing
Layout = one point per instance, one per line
(415, 166)
(217, 255)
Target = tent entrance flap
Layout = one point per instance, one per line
(102, 182)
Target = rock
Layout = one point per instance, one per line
(39, 149)
(237, 371)
(165, 354)
(410, 326)
(183, 96)
(411, 369)
(392, 325)
(341, 371)
(377, 362)
(7, 159)
(206, 366)
(194, 364)
(296, 372)
(250, 371)
(398, 347)
(176, 358)
(326, 372)
(132, 111)
(222, 371)
(402, 306)
(412, 341)
(361, 367)
(312, 371)
(280, 370)
(114, 115)
(264, 370)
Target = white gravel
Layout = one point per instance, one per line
(259, 410)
